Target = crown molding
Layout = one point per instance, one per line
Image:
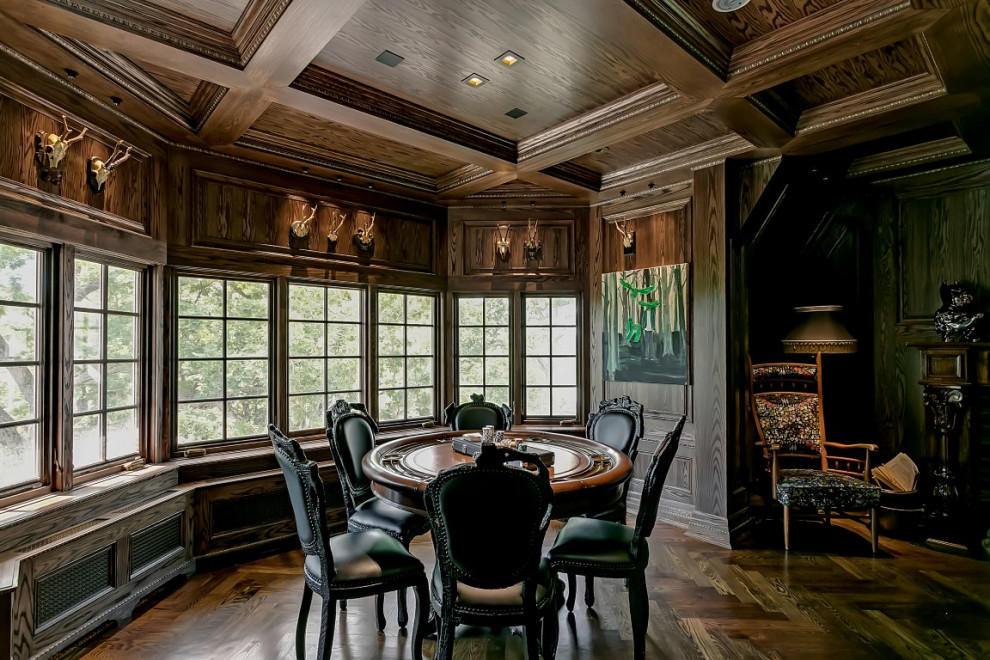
(687, 31)
(576, 174)
(916, 154)
(696, 157)
(653, 209)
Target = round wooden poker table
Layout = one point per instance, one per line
(585, 475)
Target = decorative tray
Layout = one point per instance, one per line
(471, 445)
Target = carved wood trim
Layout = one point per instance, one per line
(941, 180)
(688, 32)
(204, 101)
(653, 209)
(254, 25)
(915, 154)
(576, 174)
(462, 176)
(352, 94)
(695, 157)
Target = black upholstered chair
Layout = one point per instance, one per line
(352, 435)
(601, 548)
(349, 565)
(476, 414)
(488, 521)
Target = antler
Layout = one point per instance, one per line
(622, 228)
(65, 135)
(367, 230)
(342, 216)
(312, 213)
(111, 163)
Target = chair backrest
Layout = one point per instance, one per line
(488, 519)
(787, 406)
(302, 478)
(351, 432)
(617, 423)
(477, 414)
(649, 503)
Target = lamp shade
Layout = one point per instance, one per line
(819, 331)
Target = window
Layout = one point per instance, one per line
(326, 336)
(21, 322)
(106, 384)
(406, 363)
(223, 343)
(550, 367)
(483, 348)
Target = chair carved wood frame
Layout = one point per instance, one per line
(790, 423)
(337, 414)
(620, 405)
(453, 412)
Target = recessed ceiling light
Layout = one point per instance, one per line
(516, 113)
(726, 6)
(508, 58)
(475, 80)
(389, 58)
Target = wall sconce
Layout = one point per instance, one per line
(533, 247)
(98, 171)
(364, 238)
(333, 234)
(628, 238)
(49, 151)
(502, 243)
(300, 228)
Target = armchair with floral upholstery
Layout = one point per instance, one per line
(787, 408)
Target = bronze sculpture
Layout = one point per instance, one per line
(957, 318)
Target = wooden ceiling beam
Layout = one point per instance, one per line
(692, 158)
(752, 122)
(470, 179)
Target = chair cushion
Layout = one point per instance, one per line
(824, 489)
(365, 557)
(511, 597)
(398, 523)
(587, 542)
(615, 512)
(790, 419)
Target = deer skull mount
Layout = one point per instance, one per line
(628, 238)
(364, 237)
(50, 150)
(338, 216)
(533, 246)
(502, 243)
(98, 171)
(300, 228)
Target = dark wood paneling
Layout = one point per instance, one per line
(753, 181)
(661, 240)
(756, 19)
(478, 244)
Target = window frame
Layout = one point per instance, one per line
(455, 323)
(579, 375)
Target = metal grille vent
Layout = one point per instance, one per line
(154, 542)
(64, 588)
(250, 511)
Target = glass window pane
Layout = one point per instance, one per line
(420, 402)
(247, 377)
(122, 433)
(343, 374)
(496, 311)
(247, 299)
(497, 371)
(18, 451)
(419, 372)
(121, 340)
(18, 334)
(466, 392)
(88, 284)
(391, 405)
(247, 338)
(564, 341)
(86, 433)
(391, 372)
(499, 395)
(564, 311)
(537, 400)
(391, 308)
(538, 371)
(306, 302)
(18, 392)
(419, 340)
(200, 422)
(391, 340)
(471, 341)
(343, 305)
(306, 376)
(472, 371)
(247, 417)
(537, 311)
(200, 297)
(419, 310)
(200, 379)
(120, 385)
(200, 338)
(19, 274)
(564, 401)
(537, 341)
(564, 371)
(496, 341)
(306, 412)
(307, 339)
(87, 385)
(88, 338)
(343, 339)
(470, 311)
(121, 289)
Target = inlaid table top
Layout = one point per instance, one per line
(585, 476)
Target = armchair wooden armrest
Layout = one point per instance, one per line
(858, 445)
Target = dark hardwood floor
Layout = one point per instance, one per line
(827, 598)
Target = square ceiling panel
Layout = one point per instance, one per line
(579, 55)
(758, 18)
(221, 14)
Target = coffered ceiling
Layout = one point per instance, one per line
(619, 96)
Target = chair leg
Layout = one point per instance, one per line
(400, 596)
(380, 611)
(328, 619)
(638, 612)
(420, 617)
(589, 591)
(343, 605)
(445, 635)
(874, 529)
(787, 528)
(571, 588)
(551, 632)
(532, 634)
(301, 623)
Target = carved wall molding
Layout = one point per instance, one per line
(695, 157)
(687, 31)
(461, 176)
(576, 174)
(668, 192)
(204, 101)
(904, 157)
(653, 209)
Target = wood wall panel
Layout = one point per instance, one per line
(661, 240)
(478, 243)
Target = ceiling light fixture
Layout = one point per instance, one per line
(389, 58)
(508, 58)
(475, 80)
(726, 6)
(516, 113)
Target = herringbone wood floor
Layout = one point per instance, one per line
(827, 598)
